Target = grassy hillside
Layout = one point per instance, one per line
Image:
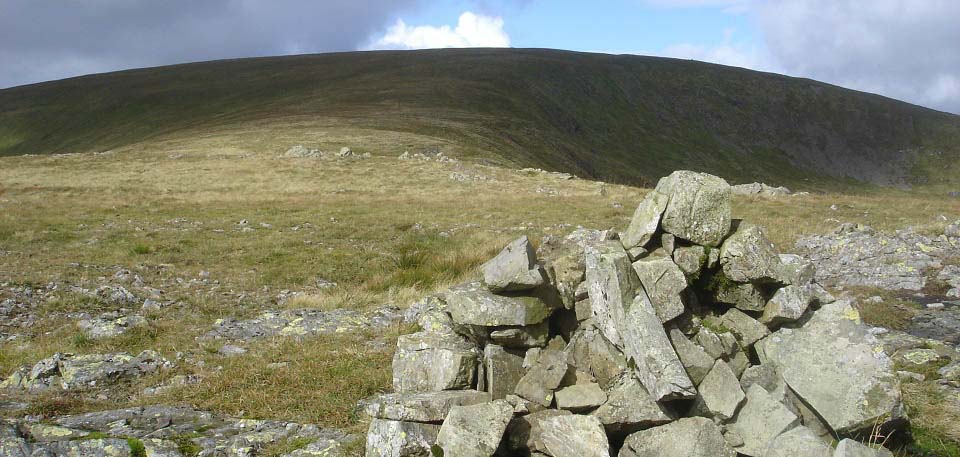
(625, 119)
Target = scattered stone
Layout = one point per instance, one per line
(688, 437)
(230, 350)
(574, 436)
(69, 372)
(475, 430)
(514, 268)
(109, 326)
(952, 230)
(304, 322)
(431, 362)
(759, 189)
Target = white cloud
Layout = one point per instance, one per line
(472, 30)
(728, 52)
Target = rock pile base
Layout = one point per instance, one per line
(685, 335)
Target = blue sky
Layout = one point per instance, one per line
(905, 49)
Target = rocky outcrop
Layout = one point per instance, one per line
(650, 340)
(73, 372)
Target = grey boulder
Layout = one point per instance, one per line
(698, 209)
(388, 438)
(799, 441)
(761, 419)
(574, 436)
(420, 407)
(430, 362)
(474, 304)
(688, 437)
(646, 220)
(514, 268)
(664, 283)
(748, 256)
(475, 430)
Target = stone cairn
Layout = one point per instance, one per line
(685, 335)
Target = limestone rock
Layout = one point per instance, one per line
(760, 420)
(580, 397)
(387, 438)
(514, 268)
(543, 378)
(646, 220)
(855, 383)
(852, 448)
(748, 256)
(720, 391)
(420, 407)
(630, 408)
(688, 437)
(109, 326)
(698, 209)
(429, 362)
(473, 304)
(664, 283)
(504, 369)
(694, 359)
(574, 436)
(747, 330)
(98, 369)
(799, 441)
(475, 430)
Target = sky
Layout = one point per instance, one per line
(905, 49)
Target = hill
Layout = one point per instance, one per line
(628, 119)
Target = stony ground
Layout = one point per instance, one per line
(262, 296)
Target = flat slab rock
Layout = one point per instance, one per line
(688, 437)
(420, 407)
(837, 367)
(574, 436)
(475, 430)
(304, 322)
(473, 304)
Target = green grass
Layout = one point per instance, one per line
(627, 119)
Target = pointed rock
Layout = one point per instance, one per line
(787, 304)
(720, 391)
(694, 359)
(612, 283)
(580, 397)
(646, 220)
(648, 349)
(514, 268)
(747, 330)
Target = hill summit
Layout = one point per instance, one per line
(620, 118)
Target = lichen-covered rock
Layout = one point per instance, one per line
(664, 283)
(525, 433)
(630, 408)
(475, 430)
(851, 448)
(430, 362)
(837, 367)
(646, 220)
(760, 420)
(514, 268)
(387, 438)
(543, 378)
(688, 437)
(694, 359)
(420, 407)
(504, 369)
(109, 326)
(690, 259)
(748, 256)
(589, 351)
(698, 209)
(716, 345)
(612, 283)
(746, 296)
(787, 304)
(473, 304)
(304, 322)
(521, 336)
(580, 397)
(67, 371)
(720, 391)
(747, 330)
(798, 441)
(795, 270)
(574, 436)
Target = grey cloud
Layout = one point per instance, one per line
(905, 49)
(47, 39)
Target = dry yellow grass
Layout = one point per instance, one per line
(386, 231)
